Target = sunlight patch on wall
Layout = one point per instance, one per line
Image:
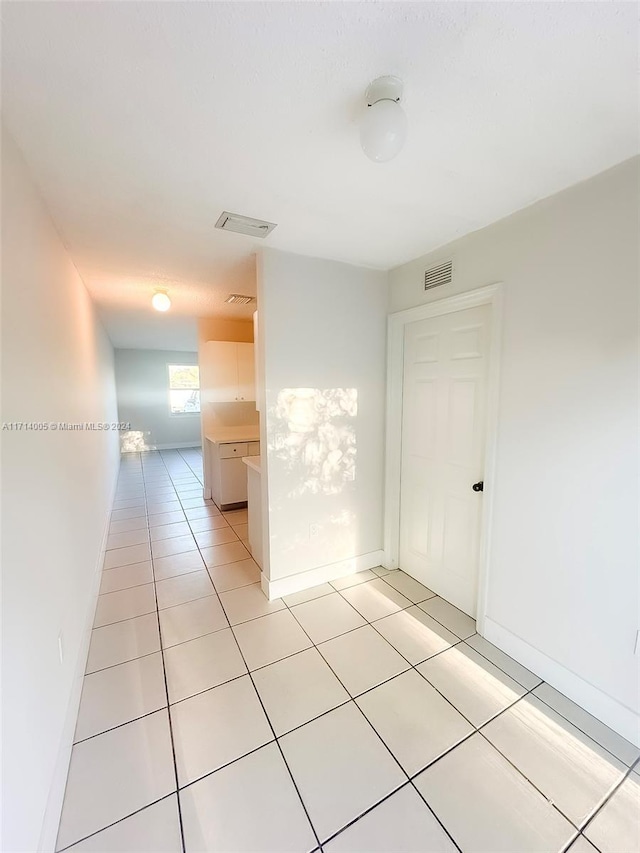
(313, 433)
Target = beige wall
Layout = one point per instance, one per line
(220, 329)
(57, 365)
(563, 583)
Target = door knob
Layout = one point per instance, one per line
(478, 487)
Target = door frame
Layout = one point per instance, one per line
(492, 295)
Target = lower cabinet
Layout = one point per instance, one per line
(228, 474)
(233, 481)
(255, 513)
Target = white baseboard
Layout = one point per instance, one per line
(314, 577)
(206, 493)
(55, 798)
(177, 445)
(612, 713)
(388, 562)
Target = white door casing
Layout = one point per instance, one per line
(443, 436)
(488, 295)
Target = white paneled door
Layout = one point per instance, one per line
(443, 440)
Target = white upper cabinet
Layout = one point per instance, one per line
(229, 374)
(246, 372)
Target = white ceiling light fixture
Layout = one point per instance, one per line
(383, 131)
(161, 301)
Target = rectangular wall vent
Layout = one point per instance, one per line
(239, 299)
(441, 274)
(244, 225)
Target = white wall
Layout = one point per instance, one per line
(57, 365)
(142, 386)
(563, 588)
(322, 332)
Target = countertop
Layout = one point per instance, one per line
(227, 435)
(253, 462)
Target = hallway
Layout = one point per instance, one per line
(213, 719)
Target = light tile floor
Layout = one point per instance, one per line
(362, 716)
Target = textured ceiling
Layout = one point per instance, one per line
(141, 122)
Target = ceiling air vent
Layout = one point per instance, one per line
(244, 225)
(441, 274)
(238, 299)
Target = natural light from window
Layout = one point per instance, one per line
(184, 389)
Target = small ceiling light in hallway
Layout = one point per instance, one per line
(383, 131)
(161, 301)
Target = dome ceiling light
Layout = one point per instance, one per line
(383, 131)
(161, 301)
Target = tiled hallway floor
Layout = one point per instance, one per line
(364, 715)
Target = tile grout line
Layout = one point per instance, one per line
(281, 751)
(197, 544)
(464, 640)
(189, 466)
(116, 822)
(477, 729)
(373, 625)
(493, 663)
(171, 577)
(207, 568)
(170, 723)
(128, 618)
(248, 673)
(224, 766)
(411, 666)
(59, 850)
(615, 788)
(125, 723)
(352, 699)
(576, 826)
(130, 660)
(256, 692)
(288, 657)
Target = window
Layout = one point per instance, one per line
(184, 389)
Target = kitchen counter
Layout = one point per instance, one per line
(253, 462)
(226, 450)
(226, 435)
